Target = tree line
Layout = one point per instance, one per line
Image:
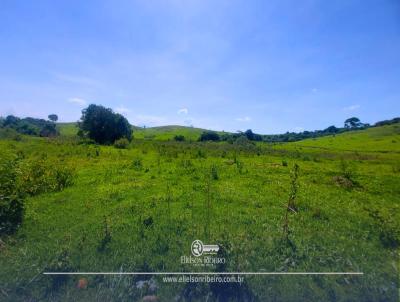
(350, 124)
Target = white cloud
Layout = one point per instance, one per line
(351, 108)
(122, 110)
(298, 129)
(183, 111)
(244, 119)
(77, 101)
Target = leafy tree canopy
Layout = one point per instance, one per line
(53, 117)
(353, 122)
(209, 136)
(103, 125)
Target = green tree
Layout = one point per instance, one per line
(11, 120)
(249, 134)
(53, 117)
(353, 122)
(103, 125)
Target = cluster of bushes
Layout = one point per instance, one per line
(31, 126)
(20, 178)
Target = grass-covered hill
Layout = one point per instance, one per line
(97, 208)
(375, 139)
(163, 133)
(168, 133)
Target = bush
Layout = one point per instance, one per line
(41, 176)
(18, 179)
(121, 143)
(209, 136)
(11, 202)
(179, 138)
(49, 130)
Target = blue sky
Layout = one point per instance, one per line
(271, 66)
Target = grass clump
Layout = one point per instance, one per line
(214, 172)
(347, 174)
(121, 143)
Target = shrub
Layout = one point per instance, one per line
(346, 179)
(41, 176)
(11, 201)
(18, 179)
(209, 136)
(49, 130)
(179, 138)
(121, 143)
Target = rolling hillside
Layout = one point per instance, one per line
(163, 133)
(375, 139)
(168, 133)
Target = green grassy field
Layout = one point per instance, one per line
(139, 209)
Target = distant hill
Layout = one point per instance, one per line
(168, 132)
(375, 139)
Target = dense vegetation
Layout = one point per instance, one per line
(103, 125)
(322, 204)
(30, 125)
